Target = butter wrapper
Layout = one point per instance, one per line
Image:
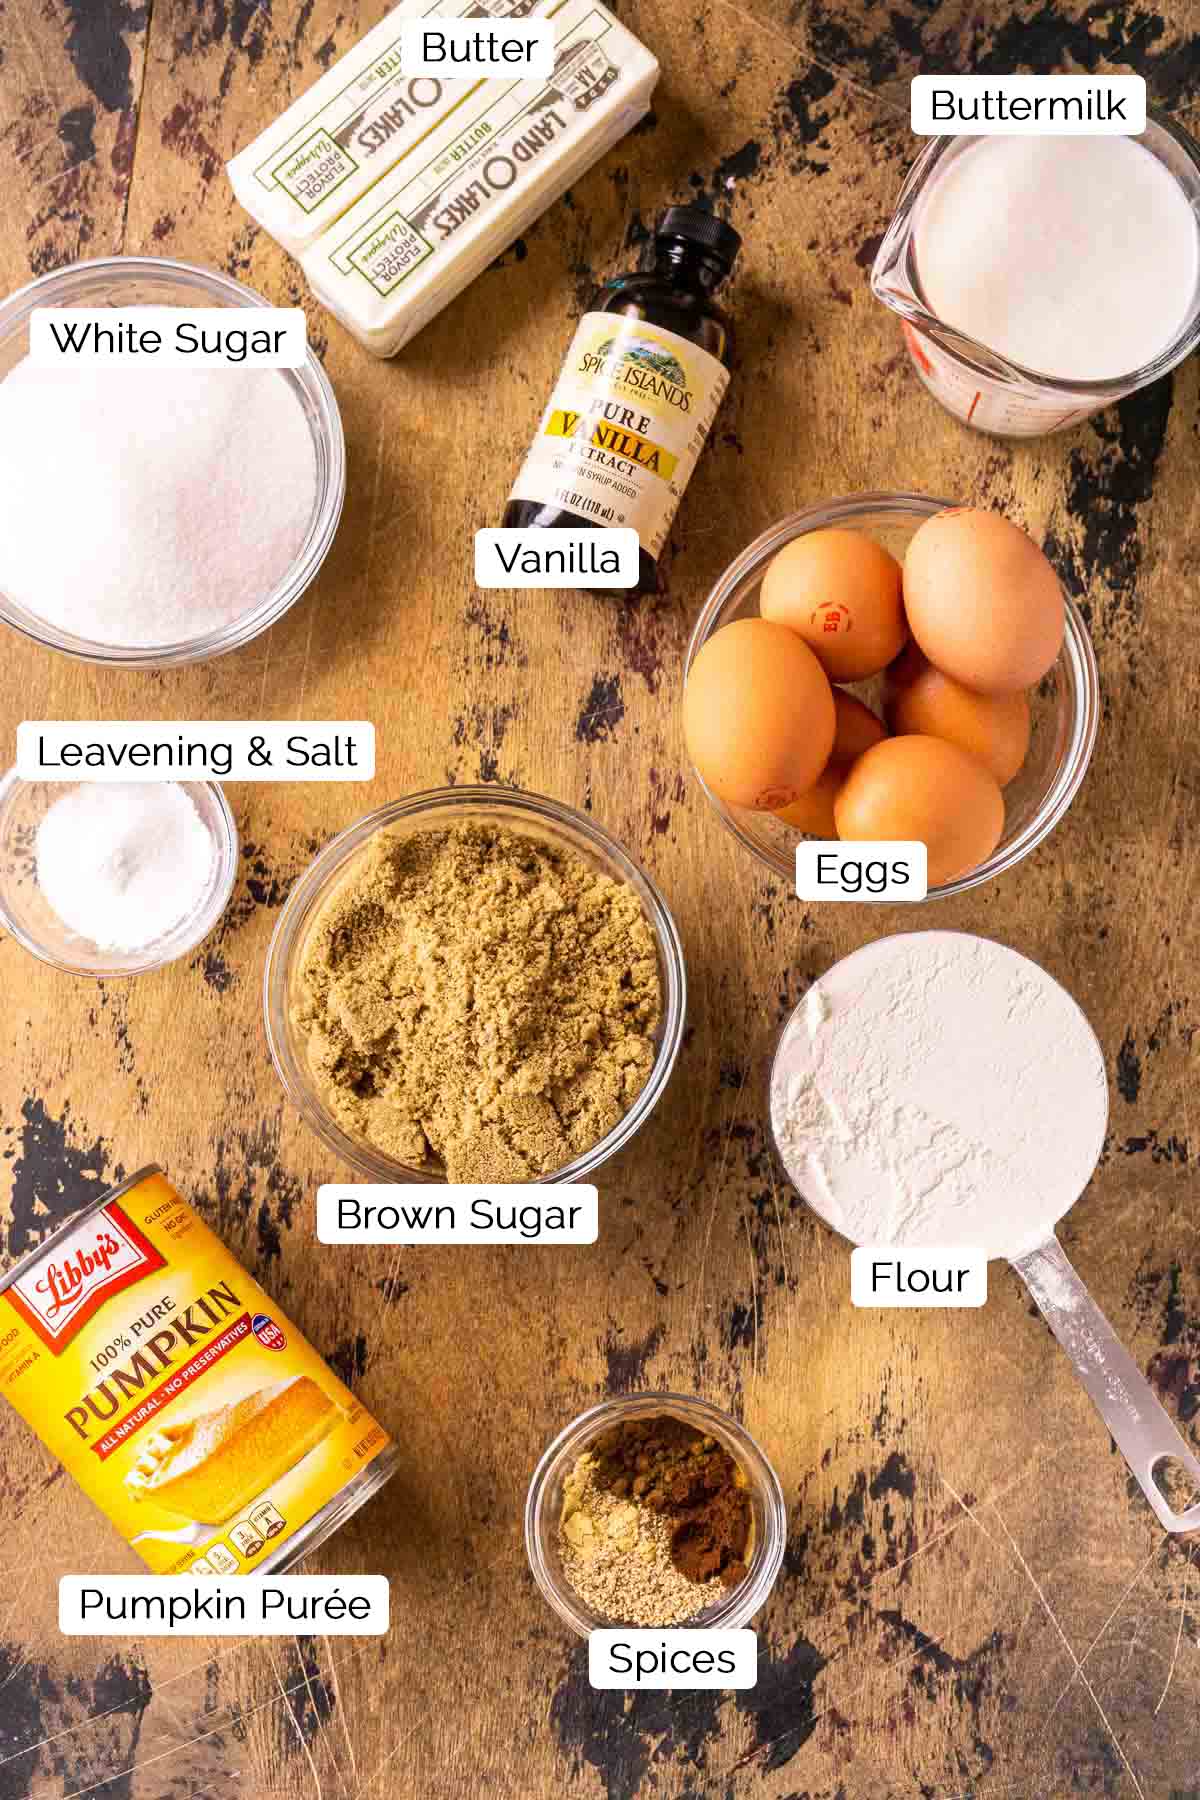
(438, 218)
(361, 118)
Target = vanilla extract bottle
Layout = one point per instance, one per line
(637, 395)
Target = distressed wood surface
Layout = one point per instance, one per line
(974, 1600)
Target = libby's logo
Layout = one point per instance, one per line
(642, 365)
(61, 1293)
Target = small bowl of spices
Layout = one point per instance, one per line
(112, 878)
(198, 502)
(655, 1510)
(475, 985)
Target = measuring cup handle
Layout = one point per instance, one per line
(1143, 1430)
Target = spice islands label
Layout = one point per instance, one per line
(626, 423)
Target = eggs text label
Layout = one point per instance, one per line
(924, 1277)
(862, 871)
(679, 1658)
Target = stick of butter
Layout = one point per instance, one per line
(358, 121)
(437, 219)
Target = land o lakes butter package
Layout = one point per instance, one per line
(439, 217)
(184, 1403)
(358, 121)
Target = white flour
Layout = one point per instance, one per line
(123, 863)
(938, 1089)
(139, 506)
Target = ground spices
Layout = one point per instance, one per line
(690, 1479)
(655, 1524)
(617, 1556)
(479, 998)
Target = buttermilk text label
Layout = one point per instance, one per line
(1021, 105)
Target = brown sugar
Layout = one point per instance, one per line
(478, 999)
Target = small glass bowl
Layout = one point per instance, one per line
(543, 1508)
(159, 281)
(1065, 706)
(534, 816)
(25, 912)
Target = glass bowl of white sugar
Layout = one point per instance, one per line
(153, 514)
(111, 879)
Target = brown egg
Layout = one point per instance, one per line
(922, 788)
(993, 727)
(855, 728)
(841, 592)
(983, 603)
(812, 812)
(757, 715)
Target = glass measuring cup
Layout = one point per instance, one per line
(980, 387)
(848, 1161)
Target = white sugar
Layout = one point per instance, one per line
(140, 507)
(124, 863)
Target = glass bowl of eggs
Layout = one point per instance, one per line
(891, 667)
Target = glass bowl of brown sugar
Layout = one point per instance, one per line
(617, 1533)
(345, 1038)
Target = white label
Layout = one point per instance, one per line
(680, 1658)
(187, 1606)
(533, 558)
(474, 47)
(892, 1277)
(522, 1212)
(628, 418)
(1028, 105)
(237, 750)
(188, 337)
(851, 870)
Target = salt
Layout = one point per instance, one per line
(143, 507)
(124, 863)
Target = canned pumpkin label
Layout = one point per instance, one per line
(184, 1403)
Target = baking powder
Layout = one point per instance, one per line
(939, 1089)
(124, 862)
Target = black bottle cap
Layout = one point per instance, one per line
(696, 225)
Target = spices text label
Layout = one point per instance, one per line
(924, 1277)
(552, 1212)
(238, 750)
(679, 1658)
(197, 337)
(191, 1606)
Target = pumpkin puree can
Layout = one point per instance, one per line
(184, 1403)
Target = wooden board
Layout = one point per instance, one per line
(974, 1601)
